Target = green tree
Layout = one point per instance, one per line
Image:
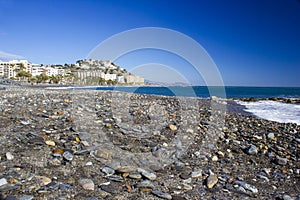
(42, 78)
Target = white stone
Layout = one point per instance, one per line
(3, 181)
(9, 156)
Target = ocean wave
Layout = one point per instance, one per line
(274, 111)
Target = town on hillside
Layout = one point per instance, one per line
(83, 72)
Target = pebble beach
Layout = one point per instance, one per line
(75, 144)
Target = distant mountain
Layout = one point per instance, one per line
(150, 82)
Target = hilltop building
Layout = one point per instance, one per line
(83, 72)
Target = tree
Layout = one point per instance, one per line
(23, 74)
(55, 79)
(42, 78)
(102, 81)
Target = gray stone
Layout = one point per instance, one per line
(185, 186)
(271, 135)
(115, 178)
(252, 150)
(26, 197)
(125, 169)
(287, 197)
(108, 170)
(3, 181)
(87, 184)
(161, 194)
(145, 184)
(68, 155)
(196, 173)
(247, 186)
(109, 188)
(281, 161)
(135, 175)
(148, 175)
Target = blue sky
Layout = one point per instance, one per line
(252, 42)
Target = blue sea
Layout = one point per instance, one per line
(204, 92)
(266, 109)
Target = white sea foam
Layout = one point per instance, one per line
(274, 111)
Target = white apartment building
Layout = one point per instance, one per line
(107, 77)
(132, 79)
(11, 68)
(37, 70)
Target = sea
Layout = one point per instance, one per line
(266, 109)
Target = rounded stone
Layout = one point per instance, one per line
(211, 181)
(251, 150)
(9, 156)
(87, 184)
(68, 155)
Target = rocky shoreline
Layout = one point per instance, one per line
(112, 145)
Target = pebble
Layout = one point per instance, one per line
(3, 181)
(50, 143)
(185, 186)
(87, 184)
(68, 155)
(149, 175)
(89, 163)
(135, 175)
(125, 169)
(161, 194)
(103, 154)
(26, 197)
(211, 181)
(173, 127)
(196, 173)
(271, 135)
(109, 188)
(108, 170)
(252, 150)
(55, 162)
(9, 156)
(246, 186)
(287, 197)
(281, 161)
(145, 184)
(215, 158)
(115, 178)
(43, 180)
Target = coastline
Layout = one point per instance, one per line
(107, 144)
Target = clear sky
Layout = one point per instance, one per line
(252, 42)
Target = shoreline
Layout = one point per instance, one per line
(81, 144)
